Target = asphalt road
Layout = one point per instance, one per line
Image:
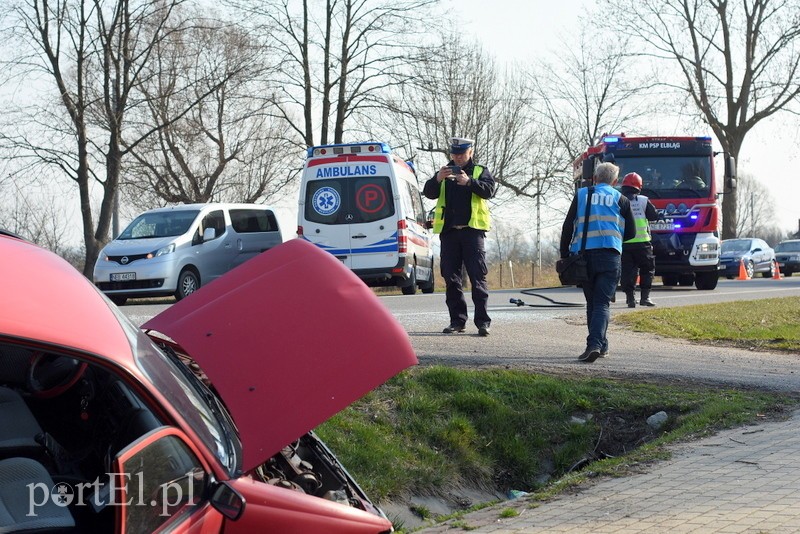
(549, 339)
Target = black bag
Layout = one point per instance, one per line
(572, 270)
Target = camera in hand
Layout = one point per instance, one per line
(455, 170)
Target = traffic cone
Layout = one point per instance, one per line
(776, 272)
(742, 271)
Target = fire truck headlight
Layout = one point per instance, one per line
(707, 247)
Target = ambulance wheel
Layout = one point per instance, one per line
(428, 287)
(411, 288)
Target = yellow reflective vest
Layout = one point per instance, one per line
(479, 217)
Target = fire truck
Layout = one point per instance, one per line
(679, 178)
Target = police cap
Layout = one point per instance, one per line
(459, 145)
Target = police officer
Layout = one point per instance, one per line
(610, 222)
(461, 218)
(637, 253)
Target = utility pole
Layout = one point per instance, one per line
(539, 223)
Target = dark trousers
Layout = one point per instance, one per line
(637, 260)
(464, 247)
(603, 266)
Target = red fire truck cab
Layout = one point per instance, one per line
(679, 179)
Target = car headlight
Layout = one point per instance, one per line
(169, 249)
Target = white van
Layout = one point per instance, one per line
(362, 204)
(175, 250)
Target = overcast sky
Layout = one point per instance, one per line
(518, 30)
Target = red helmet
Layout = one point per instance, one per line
(633, 180)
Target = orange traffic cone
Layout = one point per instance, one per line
(742, 271)
(776, 272)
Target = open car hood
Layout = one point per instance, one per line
(288, 339)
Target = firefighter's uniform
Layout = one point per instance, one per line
(637, 253)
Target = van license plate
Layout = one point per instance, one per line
(122, 277)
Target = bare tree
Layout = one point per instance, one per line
(754, 206)
(336, 56)
(34, 213)
(737, 62)
(93, 53)
(442, 99)
(218, 141)
(507, 243)
(585, 89)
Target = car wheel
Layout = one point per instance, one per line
(770, 273)
(188, 283)
(750, 268)
(411, 288)
(729, 277)
(119, 301)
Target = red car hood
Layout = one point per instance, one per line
(288, 339)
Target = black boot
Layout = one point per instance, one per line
(630, 299)
(646, 298)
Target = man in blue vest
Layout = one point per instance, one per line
(610, 222)
(637, 253)
(461, 218)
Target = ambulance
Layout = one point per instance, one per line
(361, 203)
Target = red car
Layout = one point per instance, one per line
(202, 420)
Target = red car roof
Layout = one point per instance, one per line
(45, 298)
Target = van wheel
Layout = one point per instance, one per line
(411, 288)
(428, 286)
(188, 283)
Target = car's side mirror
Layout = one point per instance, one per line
(228, 501)
(209, 234)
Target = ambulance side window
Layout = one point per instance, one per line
(416, 204)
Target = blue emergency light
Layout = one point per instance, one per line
(611, 139)
(369, 147)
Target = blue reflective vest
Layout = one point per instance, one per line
(606, 225)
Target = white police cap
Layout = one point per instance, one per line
(459, 145)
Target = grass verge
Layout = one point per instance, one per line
(432, 430)
(768, 324)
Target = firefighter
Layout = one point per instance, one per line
(461, 218)
(637, 253)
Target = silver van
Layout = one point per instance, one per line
(176, 250)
